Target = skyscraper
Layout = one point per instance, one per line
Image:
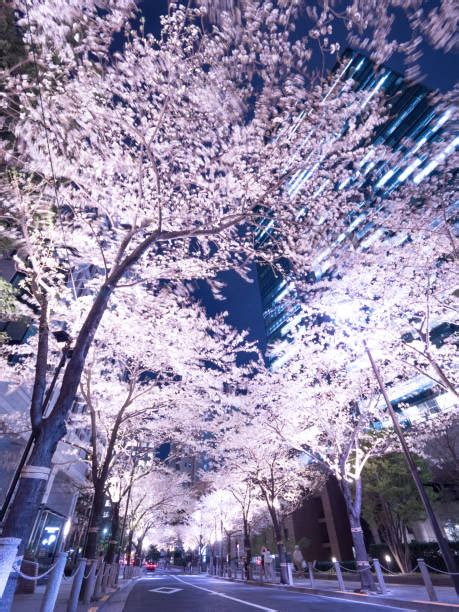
(411, 118)
(413, 121)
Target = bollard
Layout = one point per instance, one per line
(117, 573)
(54, 582)
(427, 580)
(339, 575)
(8, 551)
(105, 575)
(90, 583)
(311, 573)
(100, 575)
(289, 572)
(111, 576)
(380, 576)
(114, 574)
(76, 586)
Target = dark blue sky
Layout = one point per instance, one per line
(242, 298)
(439, 69)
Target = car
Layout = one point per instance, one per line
(150, 566)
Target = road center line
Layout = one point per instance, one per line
(242, 601)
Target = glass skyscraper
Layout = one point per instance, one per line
(411, 118)
(413, 121)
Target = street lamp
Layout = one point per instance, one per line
(347, 311)
(442, 543)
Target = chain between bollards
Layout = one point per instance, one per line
(339, 575)
(54, 583)
(76, 586)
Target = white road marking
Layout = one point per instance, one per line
(365, 603)
(336, 599)
(242, 601)
(165, 590)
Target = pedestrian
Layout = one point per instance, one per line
(268, 564)
(262, 562)
(298, 559)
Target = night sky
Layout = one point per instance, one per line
(242, 298)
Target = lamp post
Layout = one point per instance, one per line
(442, 543)
(61, 336)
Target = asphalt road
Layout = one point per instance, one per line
(163, 592)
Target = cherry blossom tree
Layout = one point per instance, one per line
(325, 401)
(136, 391)
(241, 493)
(398, 287)
(216, 519)
(315, 406)
(156, 499)
(268, 465)
(118, 176)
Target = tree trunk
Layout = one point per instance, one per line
(138, 552)
(24, 507)
(23, 510)
(375, 533)
(22, 513)
(97, 510)
(280, 546)
(247, 549)
(406, 549)
(129, 547)
(228, 555)
(114, 533)
(361, 554)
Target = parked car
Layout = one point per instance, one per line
(150, 566)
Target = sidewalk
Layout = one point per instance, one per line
(408, 596)
(412, 592)
(32, 602)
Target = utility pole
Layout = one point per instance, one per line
(447, 555)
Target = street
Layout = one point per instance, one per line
(172, 593)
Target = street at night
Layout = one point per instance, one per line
(179, 593)
(228, 305)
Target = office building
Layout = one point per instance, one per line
(412, 122)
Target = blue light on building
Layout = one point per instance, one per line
(411, 119)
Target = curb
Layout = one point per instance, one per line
(113, 602)
(422, 606)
